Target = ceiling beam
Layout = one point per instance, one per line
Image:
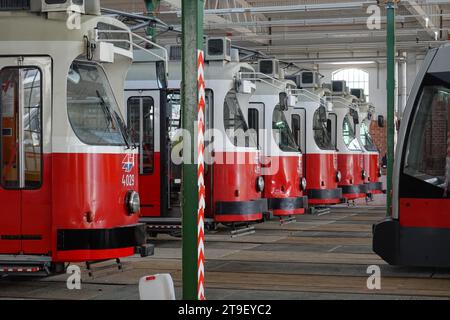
(424, 18)
(212, 20)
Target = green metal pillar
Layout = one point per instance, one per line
(390, 43)
(151, 6)
(192, 38)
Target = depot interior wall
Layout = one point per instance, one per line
(378, 77)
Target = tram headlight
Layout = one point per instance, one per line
(303, 184)
(338, 176)
(133, 201)
(260, 184)
(363, 174)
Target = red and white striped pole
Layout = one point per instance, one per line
(201, 176)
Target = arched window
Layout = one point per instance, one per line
(355, 78)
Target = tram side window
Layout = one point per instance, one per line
(349, 135)
(296, 128)
(428, 149)
(253, 122)
(21, 130)
(322, 134)
(281, 132)
(366, 138)
(142, 133)
(234, 122)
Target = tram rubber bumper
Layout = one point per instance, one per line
(287, 206)
(101, 239)
(325, 194)
(240, 211)
(411, 246)
(375, 187)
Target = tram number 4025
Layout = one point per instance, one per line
(128, 180)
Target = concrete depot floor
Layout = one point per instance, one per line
(317, 257)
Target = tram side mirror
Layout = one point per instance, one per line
(161, 74)
(381, 121)
(283, 101)
(355, 117)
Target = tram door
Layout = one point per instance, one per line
(25, 172)
(256, 123)
(424, 182)
(141, 124)
(298, 126)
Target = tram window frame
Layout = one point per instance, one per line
(113, 107)
(283, 136)
(255, 117)
(295, 129)
(320, 128)
(419, 123)
(41, 148)
(152, 158)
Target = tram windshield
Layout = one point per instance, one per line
(366, 138)
(322, 129)
(282, 133)
(349, 134)
(235, 124)
(93, 111)
(427, 155)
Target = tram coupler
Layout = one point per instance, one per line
(145, 250)
(287, 220)
(238, 232)
(319, 210)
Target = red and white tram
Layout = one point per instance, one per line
(285, 184)
(313, 132)
(68, 176)
(372, 166)
(417, 231)
(350, 152)
(234, 184)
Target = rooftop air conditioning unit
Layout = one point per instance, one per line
(270, 67)
(63, 6)
(309, 79)
(359, 93)
(6, 5)
(338, 87)
(218, 49)
(175, 52)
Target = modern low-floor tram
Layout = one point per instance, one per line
(417, 230)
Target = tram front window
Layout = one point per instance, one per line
(235, 125)
(366, 138)
(92, 108)
(428, 149)
(349, 135)
(322, 130)
(282, 133)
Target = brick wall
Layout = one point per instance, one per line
(379, 136)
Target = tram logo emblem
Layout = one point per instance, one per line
(128, 163)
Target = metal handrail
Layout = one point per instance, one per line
(264, 78)
(133, 44)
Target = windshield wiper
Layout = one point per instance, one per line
(110, 119)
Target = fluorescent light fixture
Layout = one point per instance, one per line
(350, 62)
